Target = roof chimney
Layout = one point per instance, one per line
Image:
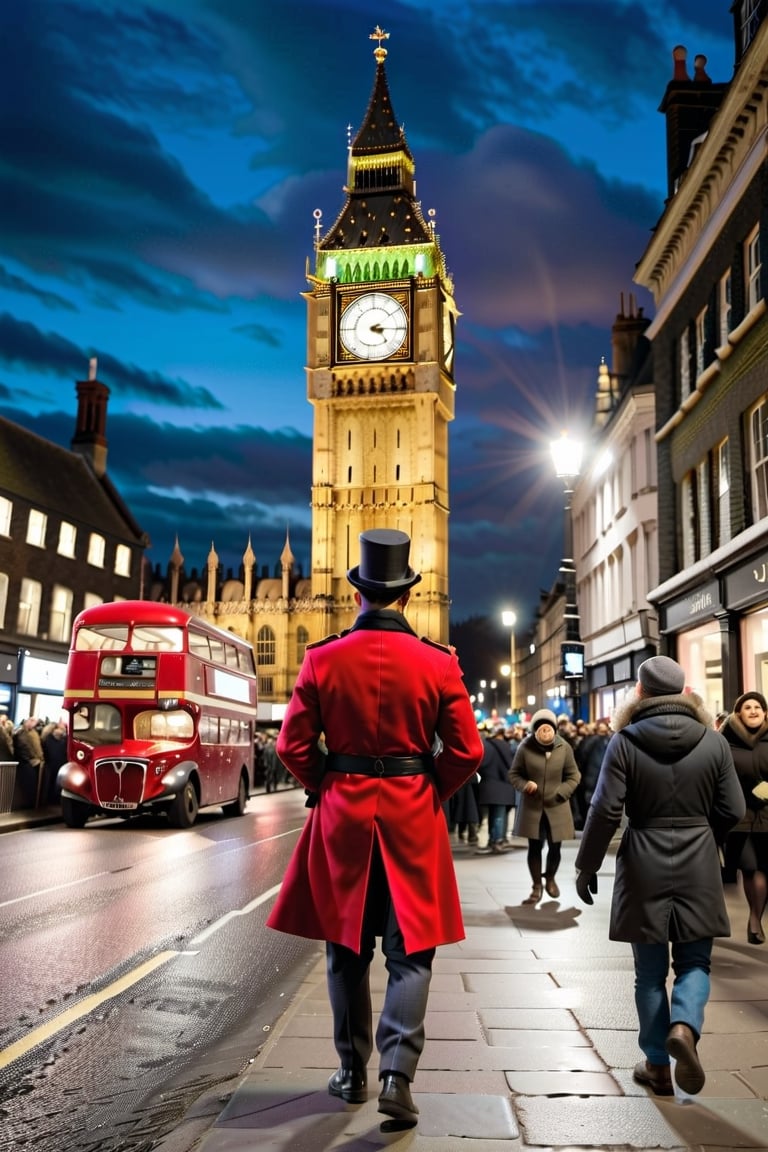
(689, 106)
(90, 439)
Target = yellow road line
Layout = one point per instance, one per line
(82, 1008)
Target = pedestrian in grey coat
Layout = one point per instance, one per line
(674, 776)
(544, 772)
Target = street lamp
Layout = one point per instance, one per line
(509, 619)
(567, 455)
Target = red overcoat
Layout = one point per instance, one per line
(377, 690)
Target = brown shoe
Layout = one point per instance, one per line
(681, 1045)
(535, 895)
(552, 888)
(657, 1077)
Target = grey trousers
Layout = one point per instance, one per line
(400, 1031)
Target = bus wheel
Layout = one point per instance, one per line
(183, 810)
(74, 813)
(237, 807)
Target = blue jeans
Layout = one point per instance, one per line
(497, 822)
(691, 963)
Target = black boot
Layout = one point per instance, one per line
(535, 895)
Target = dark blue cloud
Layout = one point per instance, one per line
(21, 343)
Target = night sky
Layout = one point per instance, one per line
(159, 168)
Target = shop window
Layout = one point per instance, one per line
(36, 525)
(754, 650)
(700, 653)
(60, 623)
(753, 269)
(759, 459)
(302, 639)
(3, 597)
(67, 539)
(122, 560)
(725, 307)
(96, 548)
(28, 616)
(265, 646)
(6, 508)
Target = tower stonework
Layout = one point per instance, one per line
(380, 373)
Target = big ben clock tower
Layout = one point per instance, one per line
(380, 349)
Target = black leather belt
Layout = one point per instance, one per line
(379, 765)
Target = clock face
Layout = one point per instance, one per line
(373, 326)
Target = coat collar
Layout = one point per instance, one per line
(382, 620)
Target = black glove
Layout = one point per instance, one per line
(586, 884)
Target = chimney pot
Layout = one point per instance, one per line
(679, 55)
(700, 68)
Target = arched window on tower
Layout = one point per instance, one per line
(302, 639)
(265, 646)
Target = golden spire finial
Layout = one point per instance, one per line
(379, 34)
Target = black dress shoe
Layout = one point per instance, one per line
(755, 937)
(350, 1085)
(395, 1100)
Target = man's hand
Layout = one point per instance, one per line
(586, 884)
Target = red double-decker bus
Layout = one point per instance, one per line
(162, 708)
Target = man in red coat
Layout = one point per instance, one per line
(380, 731)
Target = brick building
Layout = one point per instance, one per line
(67, 540)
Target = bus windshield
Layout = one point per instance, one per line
(143, 638)
(155, 725)
(97, 724)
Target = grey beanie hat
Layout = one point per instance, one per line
(661, 676)
(543, 716)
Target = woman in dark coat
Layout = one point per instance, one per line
(495, 791)
(674, 777)
(746, 848)
(544, 772)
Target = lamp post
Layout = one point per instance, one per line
(567, 455)
(509, 619)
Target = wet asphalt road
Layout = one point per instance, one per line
(128, 952)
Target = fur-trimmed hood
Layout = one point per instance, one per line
(748, 736)
(636, 707)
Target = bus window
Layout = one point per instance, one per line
(217, 650)
(96, 724)
(176, 725)
(104, 638)
(209, 729)
(156, 638)
(198, 644)
(230, 655)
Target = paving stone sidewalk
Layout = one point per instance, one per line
(532, 1037)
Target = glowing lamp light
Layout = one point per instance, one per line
(567, 455)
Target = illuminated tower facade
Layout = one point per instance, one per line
(380, 352)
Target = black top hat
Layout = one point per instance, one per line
(383, 566)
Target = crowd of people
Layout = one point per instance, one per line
(38, 748)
